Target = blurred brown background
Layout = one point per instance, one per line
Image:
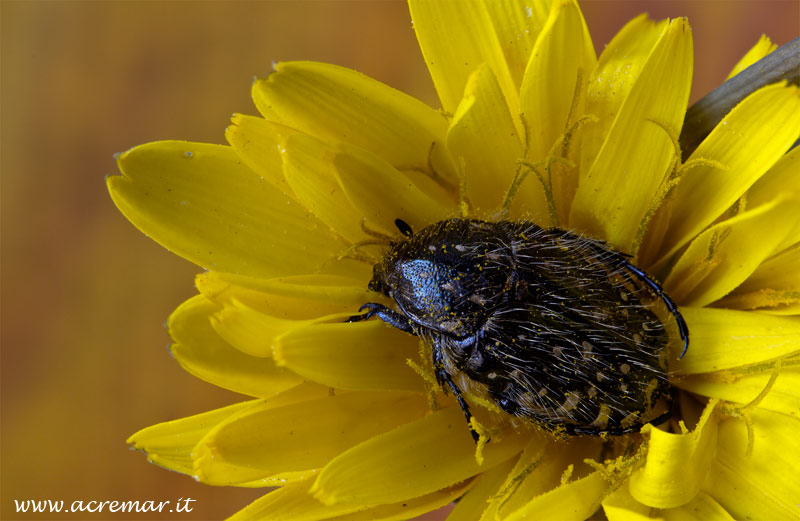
(84, 294)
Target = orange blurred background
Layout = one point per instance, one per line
(84, 294)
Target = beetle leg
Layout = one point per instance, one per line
(390, 316)
(443, 377)
(622, 260)
(671, 306)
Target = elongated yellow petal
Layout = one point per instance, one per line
(676, 464)
(773, 286)
(763, 47)
(702, 508)
(617, 70)
(540, 469)
(201, 202)
(381, 193)
(170, 444)
(293, 502)
(517, 24)
(455, 38)
(760, 486)
(747, 142)
(484, 141)
(297, 297)
(559, 68)
(777, 272)
(725, 339)
(726, 254)
(403, 510)
(203, 353)
(616, 193)
(621, 506)
(413, 460)
(337, 104)
(366, 355)
(249, 330)
(258, 143)
(781, 179)
(485, 487)
(267, 440)
(783, 396)
(574, 501)
(308, 167)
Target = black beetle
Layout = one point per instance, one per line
(547, 324)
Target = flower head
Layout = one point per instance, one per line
(347, 419)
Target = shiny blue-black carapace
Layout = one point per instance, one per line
(550, 326)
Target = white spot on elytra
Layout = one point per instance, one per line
(477, 299)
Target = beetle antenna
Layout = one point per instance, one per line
(404, 227)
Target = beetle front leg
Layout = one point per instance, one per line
(390, 316)
(443, 377)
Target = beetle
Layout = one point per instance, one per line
(550, 326)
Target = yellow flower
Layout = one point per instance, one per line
(344, 418)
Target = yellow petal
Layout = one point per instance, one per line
(617, 70)
(170, 444)
(455, 38)
(773, 286)
(781, 179)
(201, 351)
(540, 469)
(381, 193)
(676, 464)
(517, 24)
(484, 141)
(725, 339)
(621, 506)
(267, 440)
(574, 501)
(633, 170)
(297, 297)
(293, 502)
(778, 272)
(308, 167)
(485, 487)
(726, 254)
(760, 486)
(562, 56)
(337, 104)
(748, 141)
(201, 202)
(410, 461)
(763, 47)
(702, 508)
(366, 355)
(259, 143)
(742, 389)
(249, 330)
(404, 510)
